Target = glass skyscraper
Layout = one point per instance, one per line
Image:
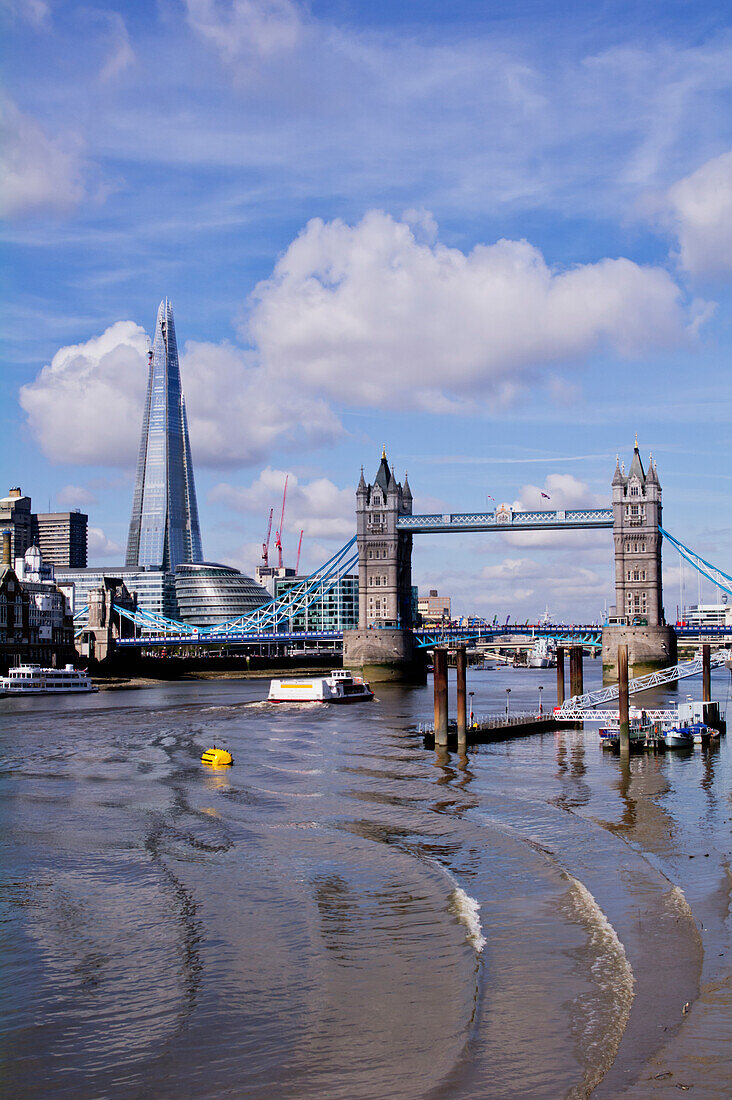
(164, 528)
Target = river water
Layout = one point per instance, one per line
(345, 914)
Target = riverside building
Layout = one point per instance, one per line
(208, 593)
(336, 609)
(16, 517)
(61, 537)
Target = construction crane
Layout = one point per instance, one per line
(265, 544)
(278, 534)
(297, 563)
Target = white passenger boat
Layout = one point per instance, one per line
(340, 687)
(34, 680)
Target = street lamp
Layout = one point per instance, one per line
(471, 694)
(541, 709)
(508, 701)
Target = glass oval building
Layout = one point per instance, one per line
(209, 593)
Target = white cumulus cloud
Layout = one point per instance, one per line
(86, 405)
(700, 210)
(238, 415)
(372, 313)
(74, 496)
(318, 507)
(100, 546)
(37, 172)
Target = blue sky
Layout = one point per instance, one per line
(495, 237)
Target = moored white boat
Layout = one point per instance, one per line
(34, 680)
(678, 737)
(341, 686)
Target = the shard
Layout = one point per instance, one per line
(164, 528)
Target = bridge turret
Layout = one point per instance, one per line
(637, 515)
(385, 554)
(638, 616)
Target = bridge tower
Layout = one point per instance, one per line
(383, 645)
(638, 615)
(384, 554)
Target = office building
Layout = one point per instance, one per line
(15, 516)
(336, 609)
(61, 537)
(710, 614)
(164, 528)
(208, 593)
(434, 608)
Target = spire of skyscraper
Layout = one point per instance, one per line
(164, 528)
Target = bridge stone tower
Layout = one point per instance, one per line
(383, 645)
(384, 553)
(638, 615)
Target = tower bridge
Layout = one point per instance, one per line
(385, 528)
(385, 644)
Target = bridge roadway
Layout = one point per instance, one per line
(571, 634)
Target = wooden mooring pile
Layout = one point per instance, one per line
(481, 729)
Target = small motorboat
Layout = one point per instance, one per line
(679, 737)
(638, 728)
(701, 733)
(340, 687)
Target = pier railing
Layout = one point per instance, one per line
(494, 721)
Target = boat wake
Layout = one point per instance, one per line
(467, 910)
(600, 1016)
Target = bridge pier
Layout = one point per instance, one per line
(384, 655)
(649, 648)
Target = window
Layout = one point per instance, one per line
(634, 491)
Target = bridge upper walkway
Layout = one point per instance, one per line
(503, 519)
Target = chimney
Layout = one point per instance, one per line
(6, 547)
(14, 493)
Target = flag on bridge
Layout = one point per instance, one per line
(546, 495)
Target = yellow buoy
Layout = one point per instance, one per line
(216, 757)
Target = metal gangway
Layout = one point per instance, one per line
(578, 705)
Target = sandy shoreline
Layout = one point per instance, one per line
(130, 683)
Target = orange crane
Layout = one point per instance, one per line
(278, 534)
(297, 563)
(265, 544)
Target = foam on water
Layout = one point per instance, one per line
(466, 909)
(600, 1016)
